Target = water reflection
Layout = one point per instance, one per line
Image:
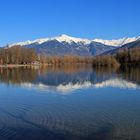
(25, 115)
(69, 78)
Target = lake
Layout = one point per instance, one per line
(69, 103)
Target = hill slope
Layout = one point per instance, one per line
(66, 45)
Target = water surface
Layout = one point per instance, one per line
(69, 103)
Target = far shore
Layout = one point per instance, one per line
(17, 65)
(35, 65)
(65, 64)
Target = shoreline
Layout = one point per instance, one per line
(38, 65)
(16, 65)
(66, 64)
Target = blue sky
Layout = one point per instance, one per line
(22, 20)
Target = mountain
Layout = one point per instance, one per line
(118, 42)
(61, 38)
(69, 39)
(67, 45)
(131, 45)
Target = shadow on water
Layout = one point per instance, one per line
(131, 74)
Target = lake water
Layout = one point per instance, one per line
(69, 103)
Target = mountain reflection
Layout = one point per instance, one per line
(69, 78)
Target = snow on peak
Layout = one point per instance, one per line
(28, 42)
(61, 38)
(117, 42)
(69, 39)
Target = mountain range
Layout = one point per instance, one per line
(67, 45)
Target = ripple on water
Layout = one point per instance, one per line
(64, 117)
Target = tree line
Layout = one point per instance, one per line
(17, 55)
(129, 57)
(66, 59)
(21, 55)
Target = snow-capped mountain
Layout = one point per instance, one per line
(69, 39)
(117, 42)
(67, 45)
(61, 38)
(131, 45)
